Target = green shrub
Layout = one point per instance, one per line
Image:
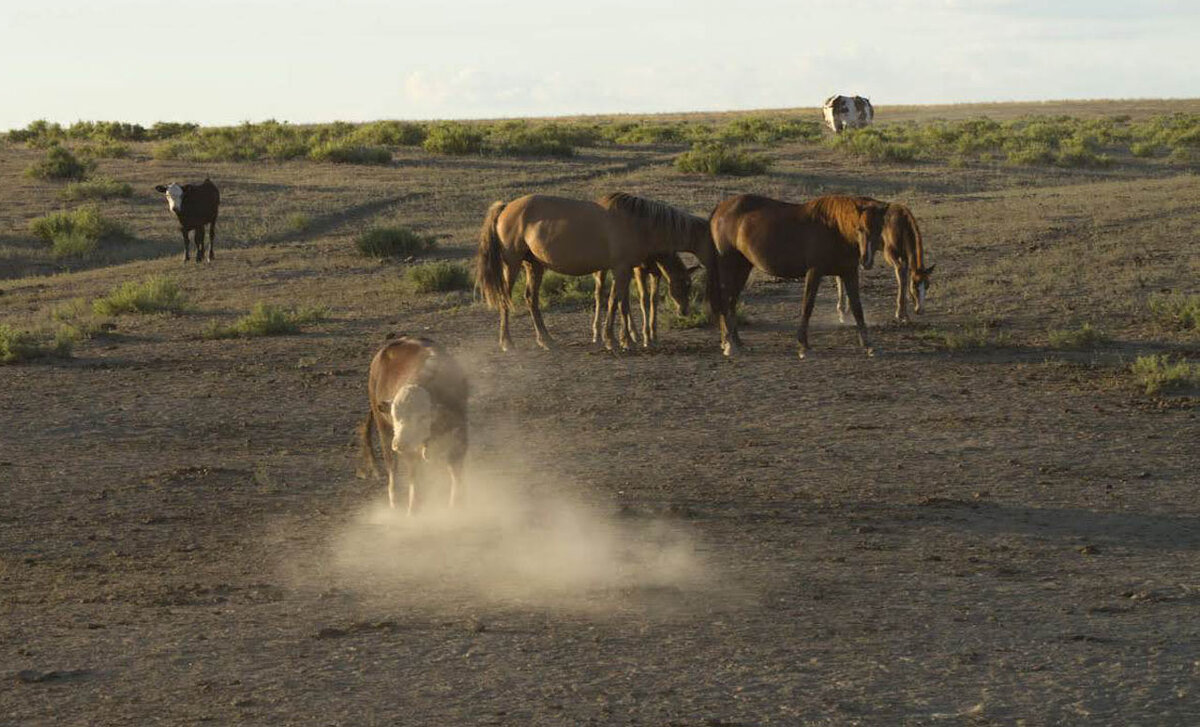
(393, 242)
(966, 338)
(878, 144)
(60, 163)
(1031, 155)
(657, 132)
(559, 289)
(346, 152)
(170, 129)
(267, 320)
(389, 133)
(1144, 149)
(1176, 310)
(108, 130)
(439, 277)
(156, 294)
(453, 138)
(79, 232)
(1083, 337)
(1158, 373)
(38, 133)
(518, 138)
(98, 188)
(768, 130)
(717, 158)
(104, 149)
(298, 222)
(18, 345)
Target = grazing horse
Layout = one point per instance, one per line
(194, 205)
(618, 232)
(418, 399)
(903, 250)
(829, 235)
(679, 286)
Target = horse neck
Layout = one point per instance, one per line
(828, 212)
(913, 250)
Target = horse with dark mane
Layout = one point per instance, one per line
(418, 406)
(903, 250)
(831, 235)
(618, 232)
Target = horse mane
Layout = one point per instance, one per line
(840, 211)
(901, 223)
(662, 218)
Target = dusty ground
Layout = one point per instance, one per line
(995, 535)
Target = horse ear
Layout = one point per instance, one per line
(161, 189)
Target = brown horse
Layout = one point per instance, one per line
(903, 250)
(618, 232)
(418, 399)
(829, 235)
(679, 287)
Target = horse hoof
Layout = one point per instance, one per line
(803, 354)
(729, 349)
(872, 352)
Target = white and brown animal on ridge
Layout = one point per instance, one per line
(842, 112)
(418, 398)
(195, 205)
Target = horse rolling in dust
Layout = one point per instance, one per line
(830, 235)
(619, 232)
(903, 250)
(418, 398)
(679, 287)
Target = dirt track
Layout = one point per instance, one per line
(928, 537)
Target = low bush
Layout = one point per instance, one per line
(1158, 373)
(97, 188)
(60, 163)
(170, 129)
(1177, 310)
(717, 158)
(156, 294)
(559, 289)
(768, 130)
(1083, 337)
(20, 345)
(267, 320)
(104, 149)
(393, 242)
(453, 138)
(518, 138)
(439, 277)
(876, 144)
(389, 133)
(346, 152)
(78, 232)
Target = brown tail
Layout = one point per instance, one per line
(712, 268)
(369, 466)
(489, 266)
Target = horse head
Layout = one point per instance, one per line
(412, 419)
(918, 285)
(679, 280)
(869, 230)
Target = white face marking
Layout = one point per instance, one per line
(175, 197)
(412, 418)
(921, 293)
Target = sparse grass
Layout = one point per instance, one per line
(519, 138)
(60, 163)
(104, 149)
(971, 337)
(390, 133)
(1177, 311)
(384, 242)
(265, 319)
(21, 345)
(77, 233)
(1158, 373)
(718, 158)
(453, 138)
(97, 188)
(439, 277)
(876, 143)
(558, 289)
(1085, 336)
(298, 222)
(156, 294)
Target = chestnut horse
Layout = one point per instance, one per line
(903, 250)
(679, 287)
(829, 235)
(618, 232)
(418, 399)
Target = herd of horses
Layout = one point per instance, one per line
(418, 393)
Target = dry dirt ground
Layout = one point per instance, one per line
(986, 535)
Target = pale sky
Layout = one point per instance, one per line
(227, 61)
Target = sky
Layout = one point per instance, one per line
(228, 61)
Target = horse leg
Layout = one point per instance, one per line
(639, 278)
(599, 276)
(651, 309)
(618, 296)
(510, 277)
(856, 308)
(734, 274)
(412, 462)
(384, 430)
(458, 494)
(812, 281)
(842, 302)
(901, 293)
(533, 287)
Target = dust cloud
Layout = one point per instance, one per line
(512, 547)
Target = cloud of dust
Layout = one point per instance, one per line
(510, 547)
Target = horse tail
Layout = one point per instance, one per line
(489, 264)
(710, 259)
(369, 466)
